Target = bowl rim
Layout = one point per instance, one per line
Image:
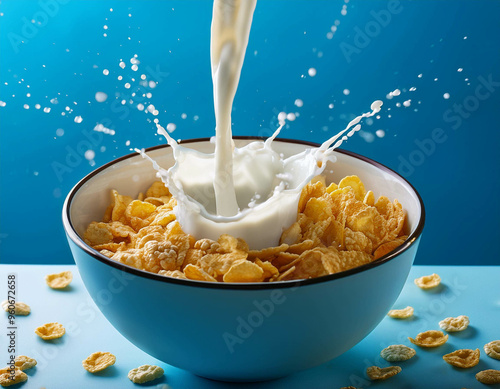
(75, 237)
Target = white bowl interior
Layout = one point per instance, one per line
(134, 175)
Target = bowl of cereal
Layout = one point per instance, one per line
(223, 310)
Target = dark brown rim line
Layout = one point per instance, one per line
(73, 235)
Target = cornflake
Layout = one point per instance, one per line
(338, 228)
(5, 377)
(50, 331)
(463, 358)
(23, 362)
(454, 324)
(431, 338)
(397, 353)
(59, 280)
(489, 377)
(376, 373)
(428, 282)
(492, 349)
(401, 313)
(20, 309)
(145, 373)
(98, 361)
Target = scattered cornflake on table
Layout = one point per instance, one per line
(6, 377)
(492, 349)
(397, 353)
(431, 338)
(50, 331)
(377, 373)
(454, 324)
(428, 282)
(59, 280)
(20, 309)
(145, 373)
(401, 313)
(489, 377)
(98, 361)
(23, 362)
(464, 358)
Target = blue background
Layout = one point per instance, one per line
(372, 52)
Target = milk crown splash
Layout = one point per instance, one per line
(248, 192)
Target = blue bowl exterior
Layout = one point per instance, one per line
(244, 335)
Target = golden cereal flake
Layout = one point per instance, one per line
(23, 362)
(489, 377)
(431, 338)
(377, 373)
(397, 353)
(401, 313)
(464, 358)
(244, 271)
(145, 373)
(50, 331)
(98, 361)
(20, 309)
(6, 375)
(428, 282)
(59, 280)
(492, 349)
(454, 324)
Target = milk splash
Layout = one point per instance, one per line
(250, 192)
(266, 186)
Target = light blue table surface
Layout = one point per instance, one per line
(472, 291)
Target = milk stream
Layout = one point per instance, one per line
(250, 192)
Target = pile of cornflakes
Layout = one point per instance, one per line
(338, 227)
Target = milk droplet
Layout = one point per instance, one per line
(380, 133)
(446, 96)
(290, 116)
(120, 78)
(26, 106)
(105, 27)
(100, 128)
(101, 97)
(38, 106)
(78, 119)
(102, 149)
(413, 89)
(311, 72)
(89, 155)
(420, 75)
(183, 116)
(152, 84)
(329, 35)
(140, 107)
(59, 132)
(407, 103)
(299, 103)
(281, 117)
(346, 91)
(396, 92)
(2, 103)
(460, 70)
(122, 65)
(127, 85)
(135, 67)
(171, 127)
(127, 143)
